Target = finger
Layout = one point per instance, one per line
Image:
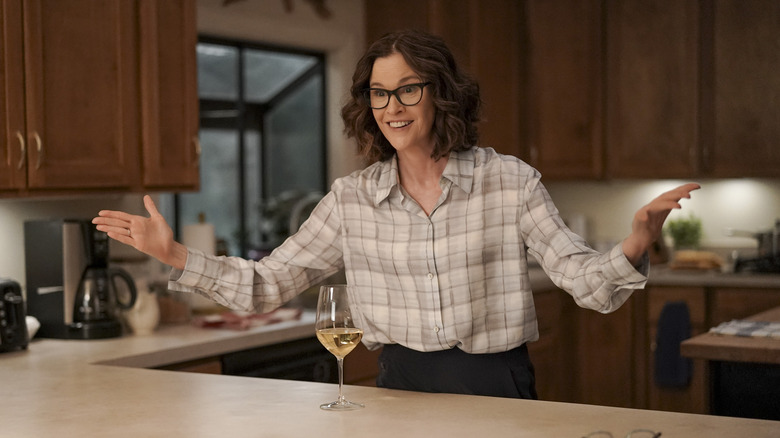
(121, 215)
(684, 191)
(110, 222)
(150, 207)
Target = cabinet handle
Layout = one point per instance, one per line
(23, 148)
(198, 151)
(39, 148)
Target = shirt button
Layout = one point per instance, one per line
(436, 329)
(430, 276)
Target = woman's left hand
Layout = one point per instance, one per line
(649, 221)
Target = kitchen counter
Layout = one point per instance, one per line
(661, 275)
(736, 348)
(743, 372)
(95, 388)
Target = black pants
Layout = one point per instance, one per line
(507, 374)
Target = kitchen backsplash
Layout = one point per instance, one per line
(745, 204)
(606, 208)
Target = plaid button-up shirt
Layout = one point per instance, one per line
(455, 278)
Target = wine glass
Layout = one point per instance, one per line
(337, 332)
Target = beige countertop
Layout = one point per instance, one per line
(93, 388)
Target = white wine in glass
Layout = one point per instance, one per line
(337, 332)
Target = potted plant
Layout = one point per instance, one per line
(685, 232)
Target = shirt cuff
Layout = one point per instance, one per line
(199, 273)
(620, 267)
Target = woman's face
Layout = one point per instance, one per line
(405, 127)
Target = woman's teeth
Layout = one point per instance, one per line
(398, 124)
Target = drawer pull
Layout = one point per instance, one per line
(23, 149)
(39, 148)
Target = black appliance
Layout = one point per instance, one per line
(302, 360)
(13, 326)
(70, 288)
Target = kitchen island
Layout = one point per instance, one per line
(744, 371)
(104, 388)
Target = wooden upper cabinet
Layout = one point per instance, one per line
(652, 88)
(13, 152)
(171, 150)
(82, 94)
(565, 87)
(98, 96)
(741, 122)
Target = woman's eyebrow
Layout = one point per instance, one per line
(401, 82)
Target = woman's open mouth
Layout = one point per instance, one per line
(399, 124)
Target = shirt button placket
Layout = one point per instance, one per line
(433, 281)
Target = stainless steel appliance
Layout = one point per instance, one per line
(70, 288)
(767, 259)
(13, 328)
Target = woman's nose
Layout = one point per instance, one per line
(394, 105)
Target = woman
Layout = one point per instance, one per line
(432, 235)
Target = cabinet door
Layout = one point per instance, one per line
(81, 93)
(738, 303)
(744, 131)
(605, 358)
(692, 398)
(553, 354)
(564, 87)
(13, 165)
(652, 97)
(170, 96)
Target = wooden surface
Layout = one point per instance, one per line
(736, 348)
(64, 388)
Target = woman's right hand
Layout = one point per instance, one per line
(152, 235)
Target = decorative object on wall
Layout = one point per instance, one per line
(319, 6)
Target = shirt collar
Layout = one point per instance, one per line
(459, 170)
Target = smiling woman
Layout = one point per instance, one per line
(433, 239)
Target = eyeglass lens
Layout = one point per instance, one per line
(408, 95)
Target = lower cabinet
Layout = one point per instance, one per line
(554, 352)
(690, 393)
(583, 356)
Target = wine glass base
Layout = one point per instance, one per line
(341, 405)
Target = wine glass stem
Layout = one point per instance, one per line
(341, 379)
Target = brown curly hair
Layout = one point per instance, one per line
(455, 95)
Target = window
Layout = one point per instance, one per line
(262, 135)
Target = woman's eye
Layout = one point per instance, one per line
(378, 93)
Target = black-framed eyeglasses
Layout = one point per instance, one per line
(636, 433)
(407, 95)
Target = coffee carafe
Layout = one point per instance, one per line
(98, 300)
(99, 296)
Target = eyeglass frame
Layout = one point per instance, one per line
(607, 433)
(391, 93)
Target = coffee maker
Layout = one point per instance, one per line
(70, 288)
